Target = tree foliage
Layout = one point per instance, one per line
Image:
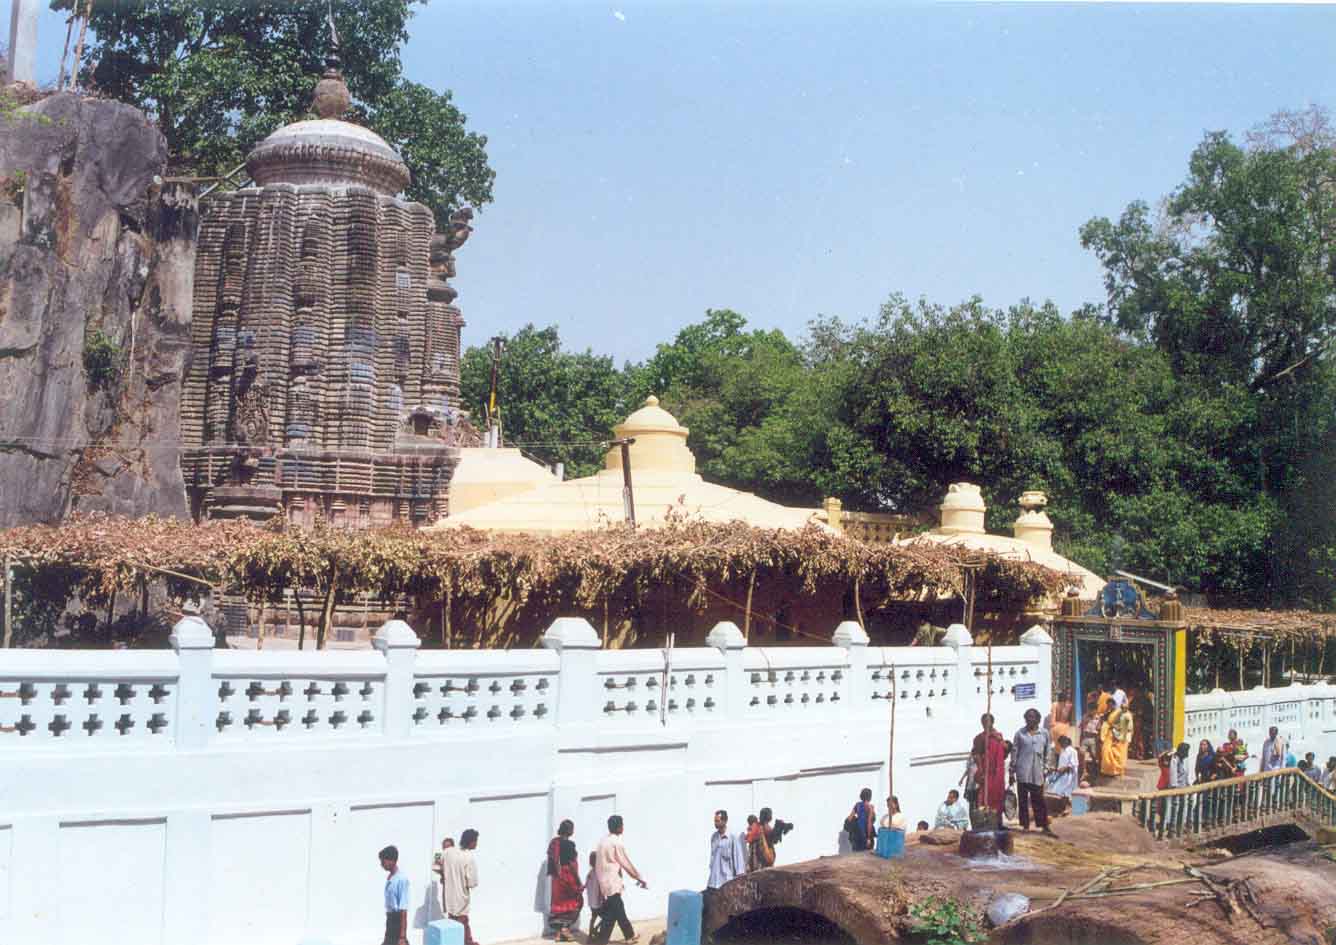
(220, 75)
(557, 405)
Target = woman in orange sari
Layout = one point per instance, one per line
(1115, 738)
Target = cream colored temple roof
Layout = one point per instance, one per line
(962, 517)
(664, 479)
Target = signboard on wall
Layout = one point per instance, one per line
(1023, 691)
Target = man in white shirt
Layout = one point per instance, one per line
(1273, 751)
(1178, 766)
(953, 813)
(612, 862)
(459, 877)
(1119, 697)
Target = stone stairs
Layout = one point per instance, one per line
(1117, 793)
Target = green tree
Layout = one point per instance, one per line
(749, 400)
(557, 405)
(1235, 282)
(220, 75)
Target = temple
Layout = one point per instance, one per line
(324, 380)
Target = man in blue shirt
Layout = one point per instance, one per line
(396, 898)
(728, 858)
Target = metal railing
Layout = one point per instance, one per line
(1238, 805)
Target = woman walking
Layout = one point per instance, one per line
(564, 869)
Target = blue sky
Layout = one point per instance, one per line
(795, 159)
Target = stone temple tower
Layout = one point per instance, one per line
(324, 379)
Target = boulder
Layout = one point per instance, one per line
(97, 261)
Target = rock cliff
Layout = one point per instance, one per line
(97, 260)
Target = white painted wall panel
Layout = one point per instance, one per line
(258, 878)
(111, 881)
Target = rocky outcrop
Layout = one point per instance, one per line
(97, 261)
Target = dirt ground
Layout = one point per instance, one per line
(1292, 890)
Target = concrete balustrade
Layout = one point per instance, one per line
(216, 796)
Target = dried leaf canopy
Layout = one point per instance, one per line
(584, 568)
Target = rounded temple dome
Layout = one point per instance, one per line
(328, 151)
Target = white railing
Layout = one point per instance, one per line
(241, 796)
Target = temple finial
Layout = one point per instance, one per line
(332, 54)
(331, 92)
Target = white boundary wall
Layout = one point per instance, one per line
(213, 796)
(1305, 715)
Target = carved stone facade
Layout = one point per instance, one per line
(324, 382)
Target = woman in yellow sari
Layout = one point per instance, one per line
(1115, 738)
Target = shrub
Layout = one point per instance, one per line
(102, 360)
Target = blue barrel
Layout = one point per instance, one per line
(890, 843)
(684, 917)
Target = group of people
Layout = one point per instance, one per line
(746, 851)
(458, 870)
(1231, 759)
(1032, 761)
(1108, 732)
(601, 888)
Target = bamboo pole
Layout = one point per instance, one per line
(78, 48)
(9, 602)
(446, 628)
(890, 757)
(858, 601)
(746, 614)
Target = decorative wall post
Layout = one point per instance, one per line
(577, 646)
(959, 639)
(398, 644)
(193, 641)
(854, 639)
(1038, 638)
(728, 640)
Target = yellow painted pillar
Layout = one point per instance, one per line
(1180, 683)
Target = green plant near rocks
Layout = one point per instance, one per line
(942, 920)
(103, 360)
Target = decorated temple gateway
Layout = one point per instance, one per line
(324, 380)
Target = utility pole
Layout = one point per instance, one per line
(628, 496)
(493, 418)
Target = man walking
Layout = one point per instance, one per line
(459, 877)
(396, 898)
(728, 860)
(612, 862)
(1029, 754)
(1273, 750)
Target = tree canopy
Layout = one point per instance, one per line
(219, 75)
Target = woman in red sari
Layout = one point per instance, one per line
(990, 754)
(567, 890)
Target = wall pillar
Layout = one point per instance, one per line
(193, 641)
(959, 639)
(23, 16)
(398, 644)
(728, 640)
(854, 639)
(577, 646)
(1038, 638)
